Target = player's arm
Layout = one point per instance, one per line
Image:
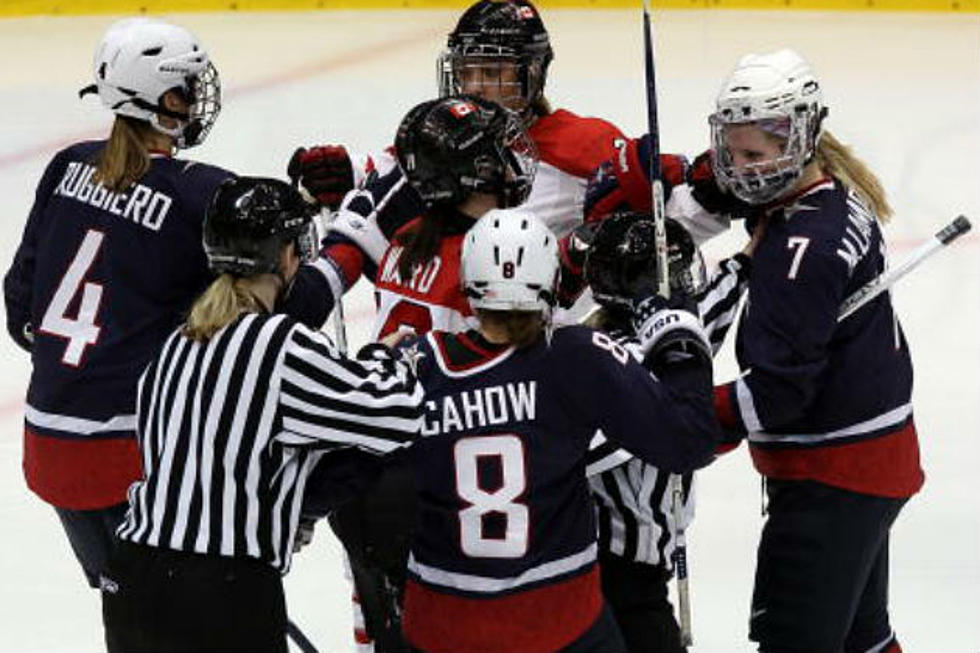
(18, 284)
(666, 420)
(326, 400)
(797, 288)
(693, 196)
(357, 236)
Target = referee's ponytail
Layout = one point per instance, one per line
(224, 300)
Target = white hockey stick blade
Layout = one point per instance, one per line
(887, 279)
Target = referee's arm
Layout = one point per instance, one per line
(327, 400)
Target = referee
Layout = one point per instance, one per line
(633, 498)
(232, 416)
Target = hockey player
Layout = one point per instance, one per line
(110, 257)
(505, 556)
(500, 51)
(462, 156)
(637, 526)
(825, 405)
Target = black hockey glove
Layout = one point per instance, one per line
(670, 332)
(707, 192)
(326, 172)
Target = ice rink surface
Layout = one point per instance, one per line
(904, 89)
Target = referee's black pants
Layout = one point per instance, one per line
(163, 601)
(821, 581)
(637, 595)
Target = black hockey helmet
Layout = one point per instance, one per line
(621, 261)
(248, 222)
(499, 31)
(452, 147)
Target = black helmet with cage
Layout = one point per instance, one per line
(248, 222)
(621, 262)
(491, 35)
(452, 147)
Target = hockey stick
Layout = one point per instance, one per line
(663, 290)
(887, 279)
(301, 640)
(339, 326)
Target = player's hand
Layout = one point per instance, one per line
(304, 533)
(325, 171)
(623, 182)
(710, 195)
(670, 331)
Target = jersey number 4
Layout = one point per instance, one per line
(80, 331)
(492, 506)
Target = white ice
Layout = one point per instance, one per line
(904, 89)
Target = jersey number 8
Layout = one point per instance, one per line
(468, 455)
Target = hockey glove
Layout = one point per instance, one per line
(571, 254)
(712, 197)
(670, 332)
(304, 533)
(326, 172)
(623, 182)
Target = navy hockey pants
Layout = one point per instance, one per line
(821, 583)
(92, 535)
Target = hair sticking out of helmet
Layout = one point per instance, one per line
(621, 263)
(250, 220)
(139, 60)
(510, 262)
(778, 93)
(499, 50)
(453, 147)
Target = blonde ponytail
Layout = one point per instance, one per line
(125, 158)
(224, 300)
(522, 328)
(837, 160)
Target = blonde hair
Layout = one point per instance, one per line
(125, 157)
(601, 320)
(522, 328)
(837, 160)
(224, 300)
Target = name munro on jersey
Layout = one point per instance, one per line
(490, 406)
(142, 204)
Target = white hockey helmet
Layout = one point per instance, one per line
(139, 59)
(779, 93)
(510, 262)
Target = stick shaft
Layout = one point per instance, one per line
(887, 279)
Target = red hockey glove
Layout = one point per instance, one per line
(326, 172)
(623, 182)
(571, 254)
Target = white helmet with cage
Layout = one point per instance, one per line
(779, 93)
(139, 59)
(510, 262)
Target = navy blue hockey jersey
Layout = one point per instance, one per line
(99, 281)
(820, 399)
(506, 529)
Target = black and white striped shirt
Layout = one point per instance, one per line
(634, 499)
(229, 430)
